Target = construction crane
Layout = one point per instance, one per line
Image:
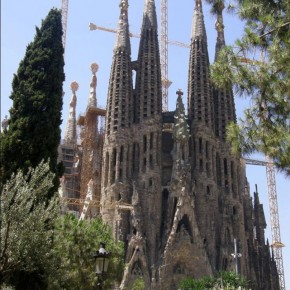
(93, 26)
(64, 13)
(164, 53)
(276, 245)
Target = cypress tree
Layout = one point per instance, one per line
(35, 117)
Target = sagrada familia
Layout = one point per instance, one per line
(166, 182)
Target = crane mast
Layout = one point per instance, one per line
(276, 245)
(164, 53)
(64, 12)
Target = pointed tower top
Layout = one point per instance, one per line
(198, 27)
(74, 87)
(123, 39)
(70, 132)
(181, 130)
(256, 196)
(149, 16)
(198, 3)
(92, 102)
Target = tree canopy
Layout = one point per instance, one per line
(257, 66)
(223, 280)
(40, 247)
(33, 133)
(27, 223)
(74, 244)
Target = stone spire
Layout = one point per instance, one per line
(200, 101)
(120, 84)
(90, 167)
(198, 27)
(123, 39)
(148, 78)
(92, 102)
(223, 98)
(70, 131)
(149, 16)
(181, 128)
(117, 145)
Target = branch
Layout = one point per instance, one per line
(269, 32)
(4, 256)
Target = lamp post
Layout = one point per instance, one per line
(102, 261)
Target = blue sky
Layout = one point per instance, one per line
(83, 47)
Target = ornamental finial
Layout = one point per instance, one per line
(94, 67)
(74, 86)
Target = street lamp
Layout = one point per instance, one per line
(102, 261)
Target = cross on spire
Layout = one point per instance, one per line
(179, 93)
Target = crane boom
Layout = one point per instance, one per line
(93, 26)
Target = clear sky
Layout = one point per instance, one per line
(83, 47)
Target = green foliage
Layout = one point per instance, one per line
(41, 249)
(139, 284)
(223, 281)
(230, 280)
(27, 228)
(265, 126)
(74, 244)
(35, 117)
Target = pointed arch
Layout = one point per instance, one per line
(184, 227)
(137, 269)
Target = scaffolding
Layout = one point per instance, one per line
(92, 139)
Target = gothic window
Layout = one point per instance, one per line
(218, 169)
(136, 156)
(207, 169)
(136, 270)
(106, 169)
(232, 169)
(113, 167)
(200, 145)
(225, 166)
(225, 264)
(178, 269)
(227, 238)
(151, 161)
(208, 190)
(114, 156)
(206, 149)
(200, 164)
(121, 153)
(151, 140)
(234, 210)
(184, 228)
(144, 143)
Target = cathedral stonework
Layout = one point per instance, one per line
(168, 184)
